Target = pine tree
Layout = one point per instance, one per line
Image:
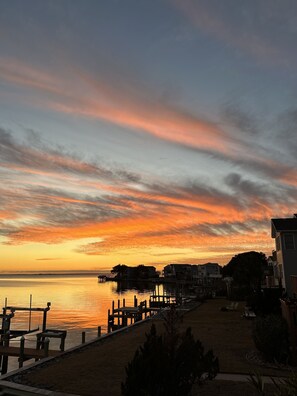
(168, 364)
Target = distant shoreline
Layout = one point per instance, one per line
(94, 273)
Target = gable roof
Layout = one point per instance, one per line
(278, 225)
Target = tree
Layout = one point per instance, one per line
(247, 269)
(168, 364)
(121, 271)
(270, 334)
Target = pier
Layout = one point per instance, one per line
(42, 338)
(162, 300)
(122, 315)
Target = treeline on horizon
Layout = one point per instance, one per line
(247, 264)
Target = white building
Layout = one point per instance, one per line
(285, 233)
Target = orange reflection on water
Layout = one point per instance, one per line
(78, 303)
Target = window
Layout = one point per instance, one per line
(289, 241)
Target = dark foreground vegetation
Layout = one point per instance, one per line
(169, 364)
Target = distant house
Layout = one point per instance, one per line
(284, 231)
(192, 271)
(212, 270)
(178, 271)
(146, 272)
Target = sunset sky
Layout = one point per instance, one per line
(144, 131)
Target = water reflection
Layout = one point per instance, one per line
(78, 303)
(138, 286)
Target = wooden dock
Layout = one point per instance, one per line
(42, 338)
(124, 315)
(162, 300)
(28, 353)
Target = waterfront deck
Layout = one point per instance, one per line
(99, 368)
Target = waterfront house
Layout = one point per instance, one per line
(284, 231)
(178, 271)
(201, 273)
(209, 270)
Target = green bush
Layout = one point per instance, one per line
(168, 365)
(270, 334)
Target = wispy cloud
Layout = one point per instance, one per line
(123, 210)
(123, 103)
(117, 104)
(48, 259)
(245, 28)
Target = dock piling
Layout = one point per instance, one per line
(46, 346)
(83, 337)
(22, 350)
(99, 331)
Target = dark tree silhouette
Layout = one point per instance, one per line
(168, 364)
(121, 271)
(247, 269)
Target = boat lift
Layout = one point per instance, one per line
(6, 333)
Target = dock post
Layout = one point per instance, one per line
(5, 358)
(135, 301)
(99, 331)
(62, 345)
(124, 302)
(112, 310)
(44, 317)
(124, 320)
(46, 346)
(108, 321)
(22, 351)
(83, 337)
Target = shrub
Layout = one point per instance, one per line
(239, 293)
(168, 364)
(270, 335)
(282, 386)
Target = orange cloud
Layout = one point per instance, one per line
(117, 105)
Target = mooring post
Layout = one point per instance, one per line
(145, 309)
(124, 302)
(22, 352)
(83, 337)
(124, 320)
(112, 310)
(48, 307)
(108, 321)
(99, 331)
(5, 358)
(46, 346)
(62, 344)
(135, 301)
(118, 304)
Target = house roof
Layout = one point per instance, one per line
(278, 225)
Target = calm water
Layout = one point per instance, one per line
(78, 303)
